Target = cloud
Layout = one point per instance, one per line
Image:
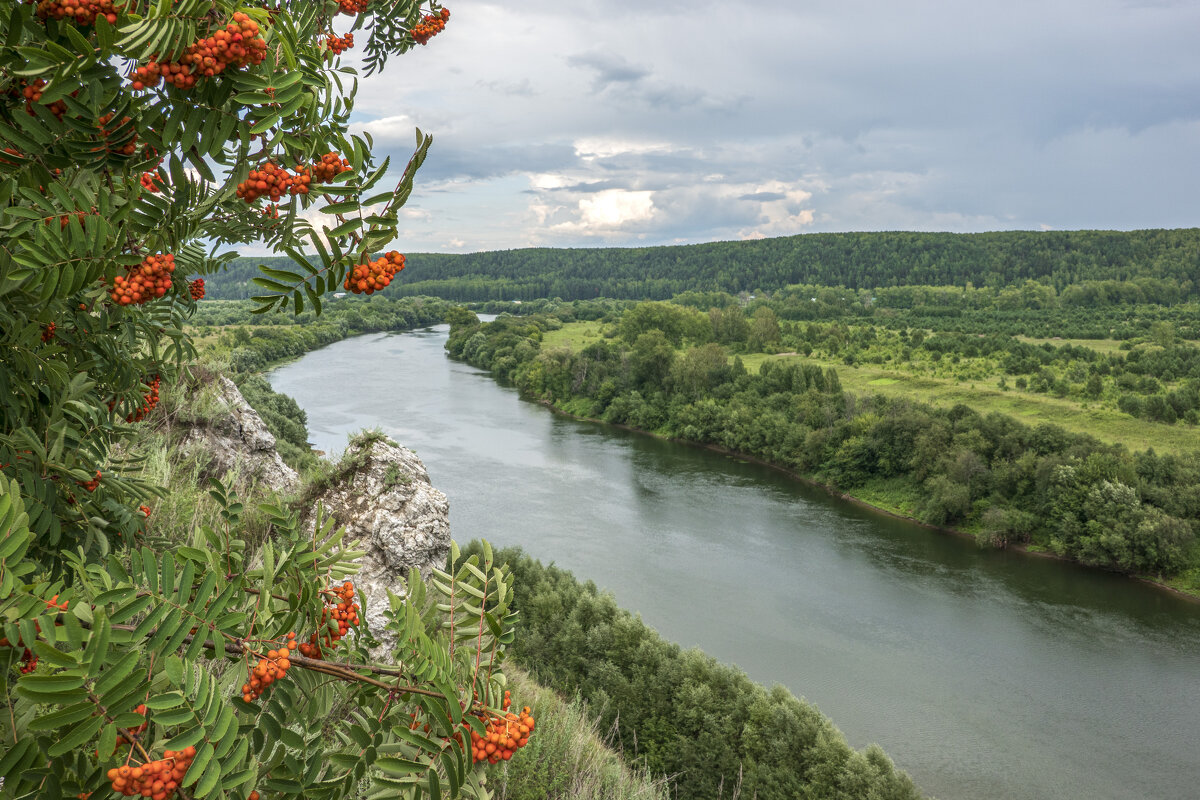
(613, 211)
(609, 69)
(521, 88)
(764, 197)
(815, 116)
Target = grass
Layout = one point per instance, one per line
(573, 335)
(899, 495)
(1099, 345)
(1106, 424)
(566, 758)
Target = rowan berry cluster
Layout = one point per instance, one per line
(329, 167)
(32, 93)
(48, 332)
(375, 276)
(196, 289)
(268, 670)
(147, 281)
(84, 12)
(29, 661)
(429, 26)
(353, 7)
(93, 484)
(149, 402)
(237, 45)
(302, 180)
(504, 735)
(65, 219)
(344, 612)
(339, 44)
(150, 182)
(157, 780)
(126, 149)
(273, 181)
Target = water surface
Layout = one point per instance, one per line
(986, 675)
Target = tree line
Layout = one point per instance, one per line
(1074, 268)
(1006, 482)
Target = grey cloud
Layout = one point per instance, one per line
(594, 186)
(923, 116)
(610, 68)
(522, 88)
(451, 159)
(673, 97)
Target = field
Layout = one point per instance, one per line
(982, 394)
(573, 335)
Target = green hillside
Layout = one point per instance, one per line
(1156, 266)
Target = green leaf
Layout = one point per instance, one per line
(391, 765)
(64, 716)
(204, 754)
(50, 683)
(174, 669)
(344, 229)
(165, 700)
(76, 737)
(116, 673)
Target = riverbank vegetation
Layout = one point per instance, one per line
(680, 372)
(679, 712)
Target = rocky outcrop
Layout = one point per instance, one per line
(234, 439)
(381, 493)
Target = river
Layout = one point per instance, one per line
(986, 675)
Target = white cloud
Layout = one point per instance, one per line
(388, 130)
(607, 212)
(615, 207)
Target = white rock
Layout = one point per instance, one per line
(237, 438)
(390, 510)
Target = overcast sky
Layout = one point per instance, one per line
(613, 122)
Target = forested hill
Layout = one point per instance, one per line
(1161, 264)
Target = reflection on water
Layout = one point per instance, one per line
(985, 674)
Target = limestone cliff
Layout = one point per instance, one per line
(234, 439)
(381, 493)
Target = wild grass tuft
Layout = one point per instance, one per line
(567, 758)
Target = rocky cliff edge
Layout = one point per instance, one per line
(381, 493)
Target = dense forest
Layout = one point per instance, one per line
(1074, 267)
(667, 372)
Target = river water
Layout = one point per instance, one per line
(986, 675)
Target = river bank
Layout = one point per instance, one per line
(984, 674)
(890, 513)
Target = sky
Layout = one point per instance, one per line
(584, 123)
